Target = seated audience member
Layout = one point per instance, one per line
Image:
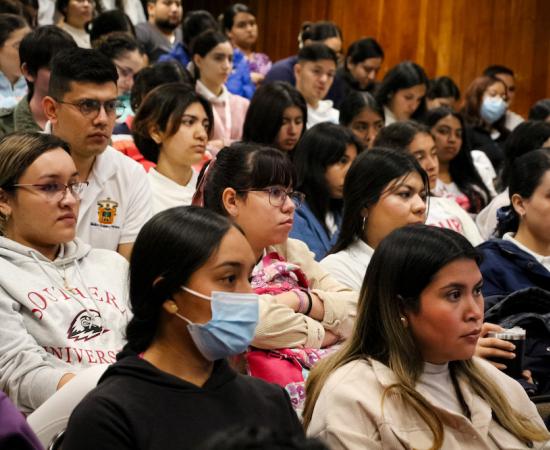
(190, 296)
(123, 51)
(145, 81)
(360, 112)
(322, 159)
(171, 128)
(322, 32)
(521, 257)
(527, 136)
(240, 25)
(12, 82)
(464, 176)
(113, 21)
(442, 91)
(28, 9)
(197, 22)
(314, 74)
(402, 92)
(407, 378)
(15, 432)
(212, 56)
(253, 186)
(383, 190)
(63, 303)
(484, 112)
(416, 139)
(82, 107)
(361, 66)
(507, 76)
(133, 9)
(276, 117)
(162, 30)
(35, 53)
(540, 110)
(76, 14)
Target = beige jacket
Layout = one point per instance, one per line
(279, 326)
(348, 414)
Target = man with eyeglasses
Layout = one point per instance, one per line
(82, 108)
(162, 31)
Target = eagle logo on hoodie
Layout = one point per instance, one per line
(86, 325)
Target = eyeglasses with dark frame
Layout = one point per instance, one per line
(56, 191)
(278, 195)
(89, 106)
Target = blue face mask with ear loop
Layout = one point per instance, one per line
(232, 327)
(492, 108)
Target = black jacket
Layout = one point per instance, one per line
(137, 406)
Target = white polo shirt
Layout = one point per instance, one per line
(116, 203)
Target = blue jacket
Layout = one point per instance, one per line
(239, 81)
(506, 269)
(308, 229)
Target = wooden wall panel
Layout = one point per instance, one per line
(458, 38)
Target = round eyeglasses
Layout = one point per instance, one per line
(278, 196)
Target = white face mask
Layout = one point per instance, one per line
(232, 327)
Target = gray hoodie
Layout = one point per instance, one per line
(57, 316)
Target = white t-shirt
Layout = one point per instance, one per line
(323, 113)
(350, 265)
(116, 203)
(167, 193)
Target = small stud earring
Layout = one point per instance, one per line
(404, 321)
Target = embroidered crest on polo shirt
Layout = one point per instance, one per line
(86, 325)
(106, 211)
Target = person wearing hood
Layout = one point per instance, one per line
(192, 303)
(63, 305)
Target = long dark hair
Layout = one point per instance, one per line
(461, 168)
(162, 109)
(245, 166)
(204, 43)
(163, 259)
(525, 176)
(365, 182)
(402, 76)
(354, 103)
(321, 146)
(264, 117)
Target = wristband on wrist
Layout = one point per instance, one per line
(310, 303)
(302, 300)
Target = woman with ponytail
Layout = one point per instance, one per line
(407, 377)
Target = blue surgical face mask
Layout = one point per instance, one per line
(492, 109)
(232, 327)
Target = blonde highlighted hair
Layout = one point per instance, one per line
(402, 266)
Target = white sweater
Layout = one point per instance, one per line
(57, 316)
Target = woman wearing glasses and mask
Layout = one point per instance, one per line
(63, 305)
(190, 295)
